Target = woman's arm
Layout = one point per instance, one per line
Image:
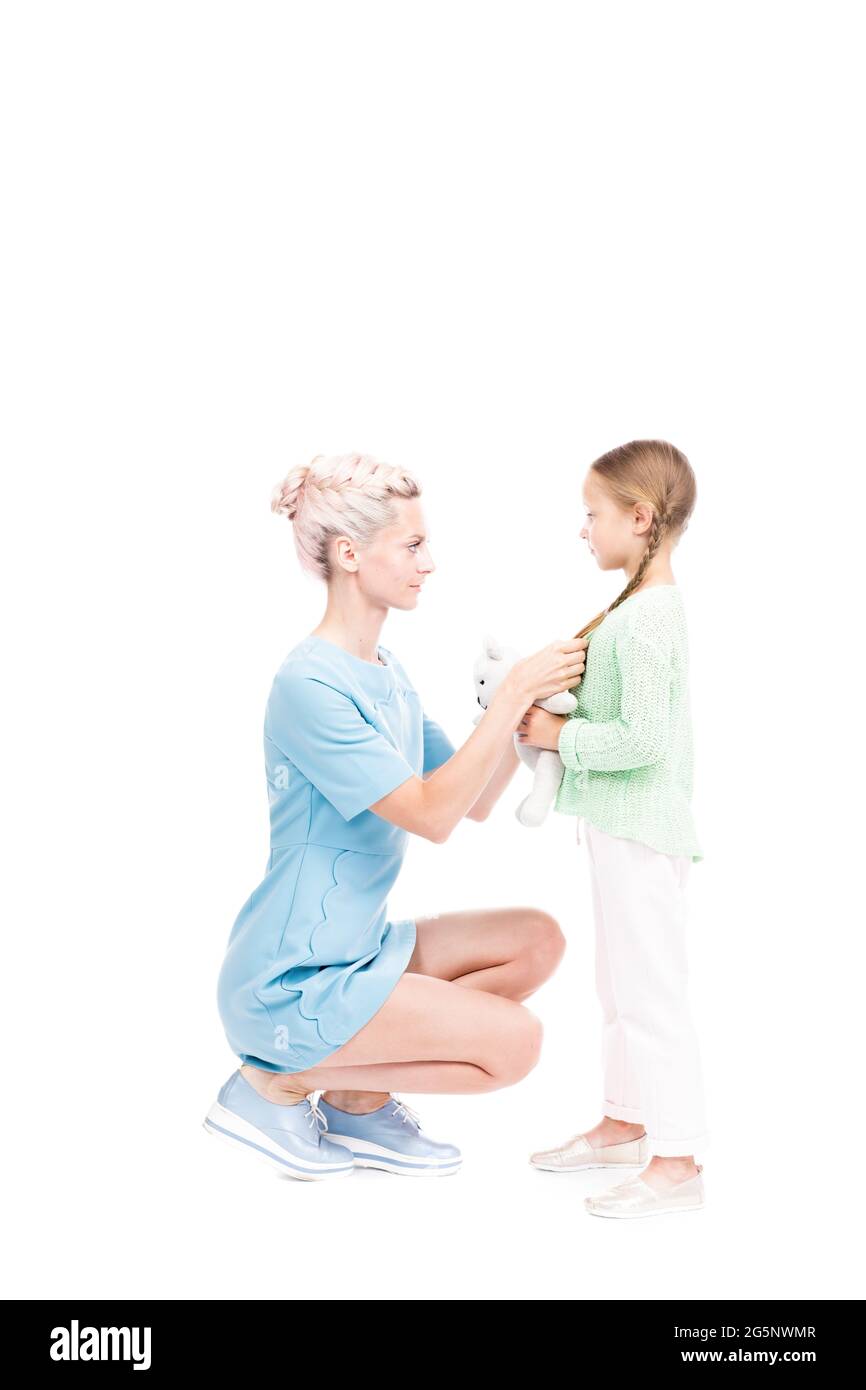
(434, 807)
(508, 765)
(503, 774)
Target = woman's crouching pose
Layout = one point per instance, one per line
(319, 990)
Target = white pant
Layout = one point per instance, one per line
(650, 1056)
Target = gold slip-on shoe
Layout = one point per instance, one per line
(636, 1198)
(578, 1153)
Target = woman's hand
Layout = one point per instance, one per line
(540, 729)
(557, 667)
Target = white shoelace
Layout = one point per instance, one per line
(407, 1113)
(315, 1116)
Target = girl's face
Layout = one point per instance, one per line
(393, 570)
(615, 537)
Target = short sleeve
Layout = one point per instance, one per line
(326, 736)
(438, 747)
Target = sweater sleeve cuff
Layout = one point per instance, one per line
(567, 740)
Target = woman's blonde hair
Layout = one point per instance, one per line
(341, 495)
(654, 472)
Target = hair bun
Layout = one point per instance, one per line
(286, 496)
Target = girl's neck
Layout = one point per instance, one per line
(656, 574)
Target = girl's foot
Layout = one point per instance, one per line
(637, 1197)
(661, 1173)
(664, 1173)
(611, 1144)
(610, 1131)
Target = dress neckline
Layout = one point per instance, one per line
(376, 665)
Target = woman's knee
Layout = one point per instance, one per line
(520, 1050)
(546, 942)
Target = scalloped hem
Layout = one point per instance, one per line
(312, 1049)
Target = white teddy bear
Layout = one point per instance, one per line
(489, 670)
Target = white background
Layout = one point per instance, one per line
(486, 242)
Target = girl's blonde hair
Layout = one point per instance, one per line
(654, 472)
(341, 495)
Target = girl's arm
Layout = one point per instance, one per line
(639, 736)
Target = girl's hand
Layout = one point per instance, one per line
(540, 729)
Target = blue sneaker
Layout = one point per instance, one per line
(287, 1136)
(391, 1138)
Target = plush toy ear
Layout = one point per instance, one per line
(492, 648)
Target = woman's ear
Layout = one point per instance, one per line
(346, 554)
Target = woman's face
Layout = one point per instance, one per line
(614, 536)
(393, 570)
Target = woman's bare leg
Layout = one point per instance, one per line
(430, 1035)
(507, 952)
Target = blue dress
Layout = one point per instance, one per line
(312, 955)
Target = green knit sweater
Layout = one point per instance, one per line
(627, 748)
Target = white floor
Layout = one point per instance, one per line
(133, 1199)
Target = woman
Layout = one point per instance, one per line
(318, 989)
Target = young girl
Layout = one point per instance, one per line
(627, 751)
